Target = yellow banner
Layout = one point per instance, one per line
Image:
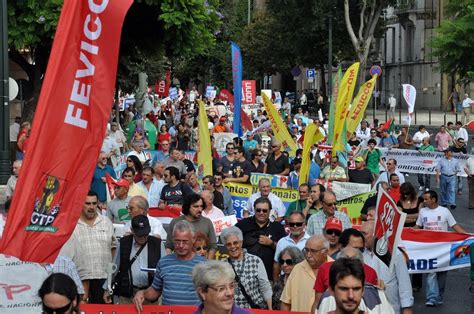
(312, 135)
(204, 152)
(279, 129)
(360, 104)
(344, 97)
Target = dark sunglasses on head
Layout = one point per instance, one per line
(295, 224)
(261, 210)
(333, 232)
(288, 262)
(61, 310)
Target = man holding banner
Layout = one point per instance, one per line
(436, 218)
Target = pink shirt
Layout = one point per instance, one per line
(442, 139)
(214, 213)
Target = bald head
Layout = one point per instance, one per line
(208, 198)
(351, 253)
(316, 250)
(367, 230)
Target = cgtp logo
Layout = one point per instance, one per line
(47, 204)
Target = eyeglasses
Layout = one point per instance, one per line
(307, 250)
(333, 232)
(288, 262)
(296, 224)
(261, 210)
(223, 289)
(60, 310)
(330, 204)
(201, 248)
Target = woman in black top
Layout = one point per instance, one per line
(409, 203)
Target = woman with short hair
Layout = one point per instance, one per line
(253, 289)
(59, 294)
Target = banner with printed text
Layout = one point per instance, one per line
(72, 112)
(415, 161)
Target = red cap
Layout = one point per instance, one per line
(333, 224)
(123, 183)
(222, 119)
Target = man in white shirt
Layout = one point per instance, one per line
(436, 218)
(151, 186)
(138, 205)
(461, 132)
(466, 108)
(14, 130)
(391, 168)
(392, 102)
(278, 208)
(119, 137)
(363, 131)
(420, 135)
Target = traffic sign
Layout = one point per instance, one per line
(296, 71)
(310, 73)
(376, 70)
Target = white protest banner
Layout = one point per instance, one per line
(409, 93)
(223, 223)
(414, 161)
(19, 285)
(345, 190)
(433, 251)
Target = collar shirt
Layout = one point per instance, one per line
(278, 208)
(448, 167)
(95, 243)
(156, 227)
(153, 193)
(289, 241)
(317, 222)
(397, 282)
(462, 133)
(337, 173)
(214, 213)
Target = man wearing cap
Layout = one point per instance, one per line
(360, 174)
(138, 205)
(332, 230)
(277, 162)
(222, 126)
(446, 172)
(297, 237)
(117, 210)
(144, 251)
(98, 179)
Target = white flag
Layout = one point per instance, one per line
(409, 93)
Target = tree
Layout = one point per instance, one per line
(152, 31)
(453, 43)
(364, 16)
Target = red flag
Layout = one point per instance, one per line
(162, 87)
(470, 125)
(245, 120)
(68, 130)
(389, 221)
(227, 95)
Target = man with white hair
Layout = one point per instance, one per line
(298, 295)
(278, 208)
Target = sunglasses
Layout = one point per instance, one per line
(295, 224)
(60, 310)
(288, 262)
(201, 248)
(333, 232)
(261, 210)
(259, 155)
(274, 146)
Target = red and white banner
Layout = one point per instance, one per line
(68, 130)
(162, 87)
(409, 93)
(249, 91)
(433, 251)
(389, 221)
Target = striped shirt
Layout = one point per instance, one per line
(174, 278)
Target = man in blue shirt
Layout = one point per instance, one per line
(98, 180)
(446, 172)
(173, 277)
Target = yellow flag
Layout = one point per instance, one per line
(344, 97)
(204, 157)
(279, 129)
(312, 135)
(360, 104)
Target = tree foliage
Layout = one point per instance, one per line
(453, 43)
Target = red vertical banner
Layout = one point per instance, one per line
(249, 90)
(162, 87)
(68, 129)
(389, 221)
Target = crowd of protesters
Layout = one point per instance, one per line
(306, 257)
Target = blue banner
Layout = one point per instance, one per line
(237, 79)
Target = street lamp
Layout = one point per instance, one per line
(4, 101)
